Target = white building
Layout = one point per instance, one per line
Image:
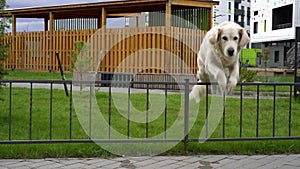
(273, 24)
(233, 10)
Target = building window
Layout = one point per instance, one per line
(276, 56)
(282, 17)
(248, 16)
(229, 17)
(255, 30)
(229, 7)
(243, 21)
(255, 13)
(147, 18)
(127, 22)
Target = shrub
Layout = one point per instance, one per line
(247, 75)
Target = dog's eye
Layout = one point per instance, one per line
(235, 38)
(225, 38)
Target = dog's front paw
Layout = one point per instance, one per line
(197, 92)
(231, 85)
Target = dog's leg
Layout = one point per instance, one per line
(197, 92)
(218, 74)
(233, 78)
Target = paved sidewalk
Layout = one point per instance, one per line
(163, 162)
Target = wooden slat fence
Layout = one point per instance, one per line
(124, 50)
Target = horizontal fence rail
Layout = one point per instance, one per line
(39, 112)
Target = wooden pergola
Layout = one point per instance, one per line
(36, 50)
(103, 10)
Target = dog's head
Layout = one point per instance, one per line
(229, 38)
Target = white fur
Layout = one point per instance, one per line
(219, 51)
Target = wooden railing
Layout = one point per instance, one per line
(126, 50)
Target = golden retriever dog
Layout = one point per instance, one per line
(218, 58)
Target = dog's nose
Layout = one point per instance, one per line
(230, 51)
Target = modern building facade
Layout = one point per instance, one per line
(233, 10)
(273, 24)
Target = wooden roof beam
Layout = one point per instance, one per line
(193, 3)
(123, 14)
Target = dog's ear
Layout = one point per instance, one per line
(244, 38)
(215, 36)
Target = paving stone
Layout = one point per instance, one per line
(266, 160)
(238, 163)
(73, 166)
(103, 163)
(112, 166)
(191, 166)
(23, 167)
(257, 157)
(90, 167)
(172, 166)
(179, 158)
(223, 162)
(138, 159)
(214, 159)
(164, 162)
(51, 166)
(275, 165)
(161, 158)
(287, 167)
(40, 164)
(192, 159)
(19, 164)
(159, 164)
(9, 162)
(70, 161)
(295, 163)
(238, 157)
(291, 157)
(94, 161)
(145, 163)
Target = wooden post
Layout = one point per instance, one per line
(103, 39)
(14, 33)
(52, 46)
(51, 16)
(103, 18)
(168, 14)
(167, 56)
(14, 25)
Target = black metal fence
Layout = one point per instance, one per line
(257, 111)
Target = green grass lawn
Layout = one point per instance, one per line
(270, 79)
(27, 75)
(61, 128)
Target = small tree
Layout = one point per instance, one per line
(75, 53)
(81, 61)
(265, 55)
(4, 47)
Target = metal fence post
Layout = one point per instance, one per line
(297, 78)
(186, 114)
(62, 73)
